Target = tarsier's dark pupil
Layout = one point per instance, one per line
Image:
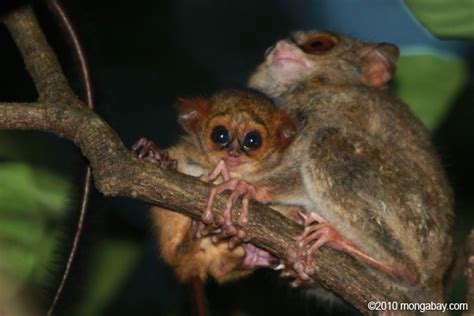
(220, 135)
(252, 140)
(316, 44)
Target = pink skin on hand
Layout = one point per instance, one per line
(238, 188)
(147, 150)
(223, 227)
(317, 233)
(254, 256)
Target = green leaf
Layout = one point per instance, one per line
(29, 191)
(430, 84)
(30, 199)
(111, 265)
(445, 18)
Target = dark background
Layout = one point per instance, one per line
(145, 54)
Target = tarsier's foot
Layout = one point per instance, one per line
(317, 233)
(222, 226)
(148, 151)
(258, 258)
(298, 279)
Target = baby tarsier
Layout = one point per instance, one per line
(358, 164)
(233, 136)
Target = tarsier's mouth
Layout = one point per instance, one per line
(280, 58)
(287, 54)
(257, 258)
(285, 61)
(233, 162)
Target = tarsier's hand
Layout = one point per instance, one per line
(148, 151)
(222, 227)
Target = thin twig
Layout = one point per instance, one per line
(71, 34)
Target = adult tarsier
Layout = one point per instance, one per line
(360, 164)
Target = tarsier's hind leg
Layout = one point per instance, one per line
(318, 232)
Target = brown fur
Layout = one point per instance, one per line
(240, 111)
(360, 159)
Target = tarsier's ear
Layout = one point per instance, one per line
(285, 129)
(191, 113)
(379, 63)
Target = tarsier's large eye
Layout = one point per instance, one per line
(220, 135)
(318, 44)
(252, 140)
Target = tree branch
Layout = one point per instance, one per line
(117, 172)
(39, 58)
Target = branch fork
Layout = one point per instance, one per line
(118, 172)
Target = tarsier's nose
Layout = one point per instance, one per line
(285, 49)
(234, 149)
(234, 152)
(284, 45)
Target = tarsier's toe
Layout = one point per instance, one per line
(308, 265)
(230, 230)
(238, 239)
(219, 236)
(139, 143)
(204, 230)
(298, 273)
(165, 161)
(235, 236)
(299, 268)
(303, 283)
(234, 242)
(207, 217)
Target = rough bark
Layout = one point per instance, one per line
(117, 172)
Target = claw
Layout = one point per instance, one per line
(280, 266)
